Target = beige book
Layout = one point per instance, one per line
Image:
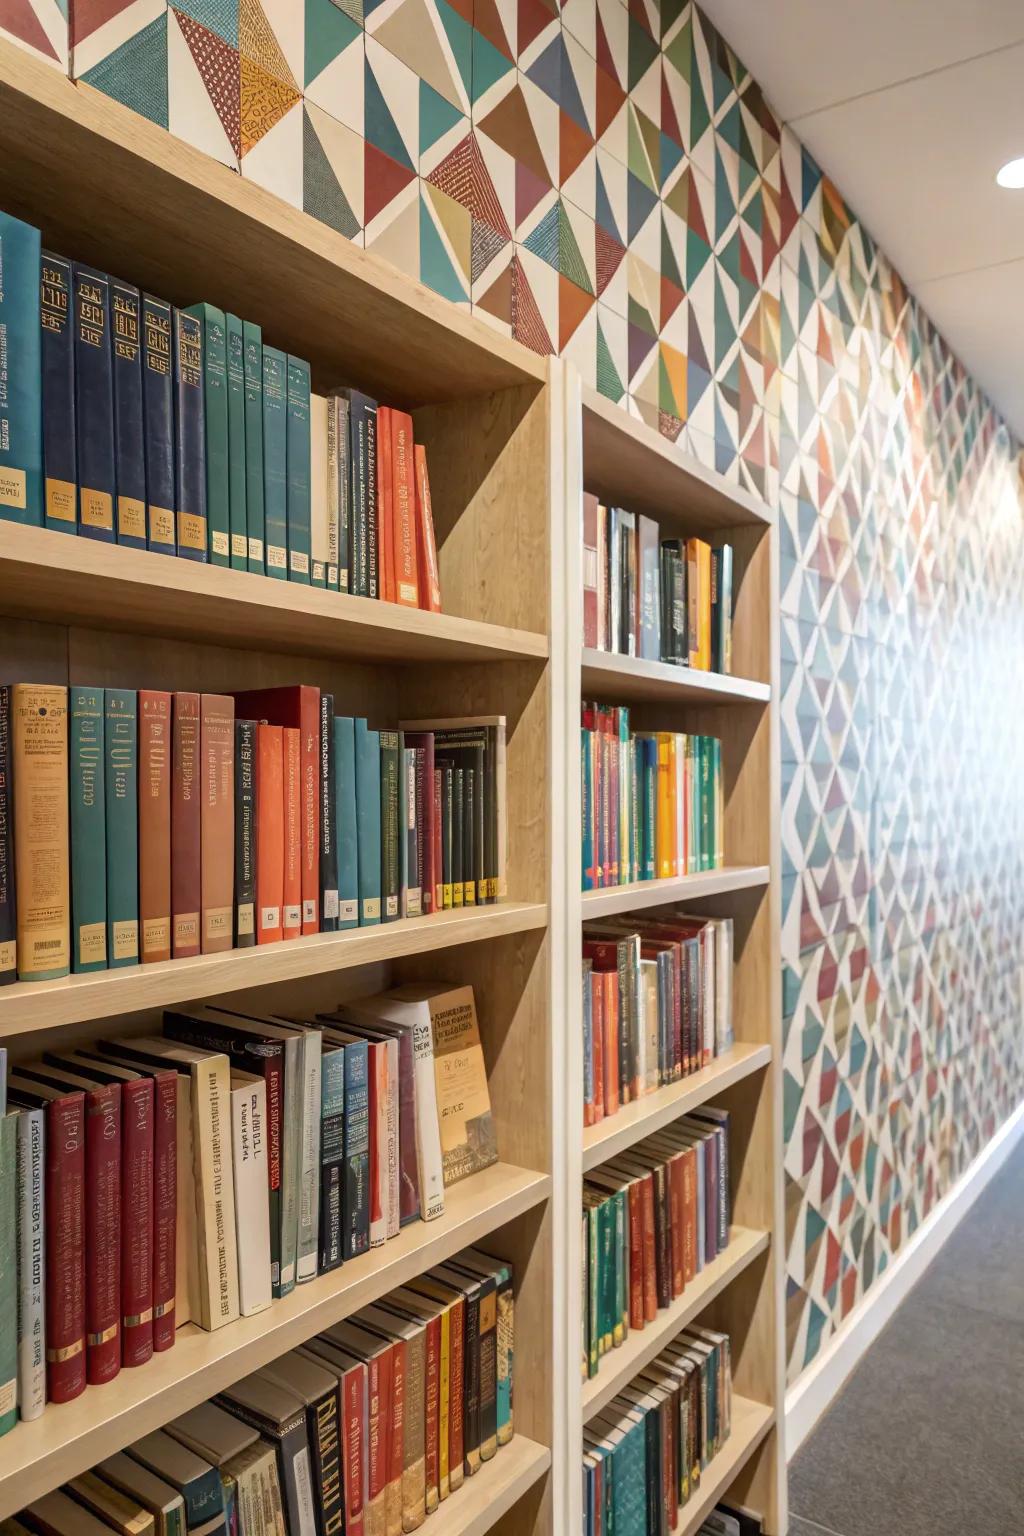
(41, 860)
(115, 1508)
(55, 1514)
(163, 1502)
(248, 1468)
(252, 1190)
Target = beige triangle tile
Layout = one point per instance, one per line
(345, 153)
(191, 114)
(411, 31)
(275, 162)
(455, 227)
(108, 38)
(287, 21)
(339, 89)
(395, 233)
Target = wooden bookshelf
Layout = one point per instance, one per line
(624, 679)
(635, 895)
(728, 1472)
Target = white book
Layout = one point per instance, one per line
(31, 1168)
(252, 1193)
(682, 859)
(652, 1066)
(319, 540)
(723, 984)
(309, 1177)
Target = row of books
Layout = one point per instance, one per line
(653, 802)
(643, 1454)
(132, 421)
(367, 1427)
(653, 1218)
(659, 599)
(199, 1174)
(657, 1004)
(151, 826)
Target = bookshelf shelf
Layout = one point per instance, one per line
(70, 1438)
(641, 1345)
(485, 1498)
(646, 1115)
(655, 893)
(626, 679)
(751, 1423)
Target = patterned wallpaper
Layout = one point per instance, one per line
(605, 179)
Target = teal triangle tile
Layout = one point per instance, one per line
(697, 254)
(437, 116)
(543, 241)
(810, 177)
(670, 156)
(136, 73)
(725, 206)
(489, 65)
(608, 381)
(380, 127)
(219, 16)
(700, 117)
(603, 209)
(640, 203)
(791, 1097)
(460, 40)
(436, 269)
(569, 95)
(328, 32)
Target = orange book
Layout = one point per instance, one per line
(269, 832)
(291, 917)
(665, 826)
(297, 707)
(186, 857)
(403, 512)
(154, 825)
(680, 761)
(426, 541)
(690, 1207)
(596, 1108)
(217, 754)
(698, 577)
(385, 537)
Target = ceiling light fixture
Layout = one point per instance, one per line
(1012, 175)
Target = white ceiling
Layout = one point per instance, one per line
(911, 106)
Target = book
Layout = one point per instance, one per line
(478, 742)
(21, 427)
(328, 817)
(394, 1108)
(8, 918)
(94, 404)
(291, 911)
(60, 466)
(368, 822)
(154, 727)
(116, 1509)
(252, 340)
(208, 1431)
(405, 575)
(332, 1156)
(275, 462)
(213, 334)
(298, 708)
(468, 1141)
(40, 742)
(152, 1493)
(87, 830)
(280, 1417)
(121, 825)
(428, 842)
(593, 635)
(251, 1190)
(189, 437)
(9, 1264)
(365, 1367)
(57, 1514)
(31, 1260)
(269, 831)
(217, 760)
(356, 1194)
(317, 1390)
(195, 1479)
(362, 412)
(358, 1463)
(426, 540)
(187, 785)
(339, 465)
(245, 833)
(390, 795)
(319, 493)
(129, 431)
(158, 424)
(392, 1326)
(298, 460)
(237, 521)
(721, 608)
(409, 836)
(482, 1265)
(649, 588)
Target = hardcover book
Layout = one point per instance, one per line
(332, 1155)
(245, 833)
(186, 826)
(154, 825)
(346, 814)
(291, 911)
(41, 860)
(368, 819)
(117, 1511)
(213, 333)
(426, 540)
(60, 468)
(94, 404)
(390, 797)
(269, 831)
(317, 1390)
(275, 462)
(163, 1501)
(252, 1199)
(195, 1479)
(299, 484)
(129, 431)
(31, 1261)
(362, 417)
(21, 425)
(217, 759)
(328, 818)
(9, 1262)
(298, 708)
(319, 495)
(280, 1417)
(8, 920)
(254, 498)
(237, 522)
(88, 830)
(158, 424)
(189, 438)
(403, 511)
(121, 816)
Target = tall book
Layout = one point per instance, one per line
(316, 1388)
(213, 331)
(60, 468)
(121, 820)
(9, 1265)
(592, 633)
(335, 468)
(129, 430)
(21, 423)
(328, 819)
(319, 495)
(251, 1189)
(88, 830)
(478, 742)
(154, 825)
(298, 459)
(245, 833)
(136, 1482)
(362, 456)
(428, 838)
(426, 539)
(94, 404)
(291, 911)
(468, 1140)
(217, 760)
(298, 708)
(368, 820)
(269, 831)
(275, 462)
(721, 608)
(237, 523)
(8, 920)
(189, 437)
(403, 511)
(332, 1155)
(252, 339)
(648, 588)
(339, 460)
(31, 1229)
(346, 837)
(158, 423)
(187, 785)
(40, 739)
(390, 822)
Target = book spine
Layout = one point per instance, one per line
(354, 1479)
(458, 838)
(154, 825)
(60, 469)
(343, 435)
(411, 885)
(41, 831)
(189, 438)
(309, 1189)
(426, 546)
(437, 830)
(445, 787)
(165, 1219)
(252, 338)
(217, 755)
(275, 462)
(8, 917)
(444, 1483)
(298, 512)
(215, 1199)
(377, 1076)
(414, 1490)
(378, 1419)
(121, 817)
(356, 1209)
(138, 1144)
(368, 814)
(385, 500)
(269, 832)
(245, 834)
(94, 405)
(309, 753)
(346, 822)
(21, 423)
(129, 431)
(471, 1410)
(332, 1158)
(389, 824)
(88, 831)
(65, 1248)
(429, 1162)
(31, 1228)
(318, 511)
(186, 821)
(9, 1258)
(215, 429)
(505, 1337)
(406, 575)
(252, 1208)
(325, 1443)
(158, 424)
(237, 524)
(431, 1399)
(291, 913)
(372, 510)
(456, 1396)
(488, 1370)
(291, 1161)
(328, 818)
(332, 491)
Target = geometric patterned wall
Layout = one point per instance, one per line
(604, 179)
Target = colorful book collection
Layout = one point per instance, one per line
(131, 421)
(653, 1218)
(644, 1453)
(652, 801)
(367, 1427)
(658, 599)
(149, 826)
(200, 1174)
(657, 1004)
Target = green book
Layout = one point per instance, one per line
(346, 821)
(707, 846)
(215, 423)
(253, 342)
(21, 417)
(594, 1290)
(390, 756)
(121, 759)
(368, 837)
(275, 462)
(8, 1270)
(236, 443)
(87, 795)
(299, 489)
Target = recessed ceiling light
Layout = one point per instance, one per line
(1012, 175)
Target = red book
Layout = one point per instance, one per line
(456, 1388)
(426, 540)
(597, 1043)
(103, 1232)
(217, 756)
(297, 707)
(137, 1140)
(291, 912)
(610, 1016)
(378, 1424)
(636, 1255)
(431, 1399)
(185, 824)
(165, 1206)
(690, 1213)
(403, 511)
(590, 571)
(353, 1396)
(427, 816)
(385, 526)
(650, 1262)
(154, 825)
(269, 832)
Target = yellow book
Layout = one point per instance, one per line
(698, 574)
(682, 758)
(664, 838)
(41, 855)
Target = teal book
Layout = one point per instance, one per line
(21, 416)
(275, 462)
(215, 430)
(87, 796)
(253, 342)
(332, 1157)
(299, 472)
(346, 820)
(630, 1495)
(121, 759)
(60, 467)
(368, 822)
(707, 845)
(8, 1270)
(236, 443)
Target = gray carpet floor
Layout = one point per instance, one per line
(927, 1436)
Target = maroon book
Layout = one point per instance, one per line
(137, 1132)
(165, 1205)
(185, 827)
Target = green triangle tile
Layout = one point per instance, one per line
(640, 317)
(666, 395)
(748, 176)
(652, 144)
(321, 193)
(489, 65)
(814, 1226)
(608, 381)
(753, 213)
(679, 52)
(669, 265)
(380, 127)
(729, 257)
(643, 51)
(218, 16)
(791, 1097)
(570, 258)
(697, 253)
(543, 241)
(636, 155)
(460, 37)
(700, 117)
(437, 116)
(436, 267)
(136, 73)
(725, 207)
(328, 33)
(671, 10)
(730, 127)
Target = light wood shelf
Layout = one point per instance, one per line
(751, 1423)
(490, 1493)
(642, 1344)
(638, 894)
(623, 679)
(648, 1114)
(71, 1437)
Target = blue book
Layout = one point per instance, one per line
(129, 434)
(94, 405)
(189, 437)
(121, 759)
(332, 1156)
(236, 443)
(275, 462)
(253, 343)
(356, 1194)
(215, 430)
(60, 470)
(87, 777)
(21, 417)
(368, 860)
(158, 424)
(345, 817)
(299, 472)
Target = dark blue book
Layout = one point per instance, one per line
(189, 437)
(332, 1157)
(129, 435)
(356, 1201)
(158, 423)
(275, 462)
(21, 420)
(60, 471)
(299, 472)
(328, 828)
(94, 405)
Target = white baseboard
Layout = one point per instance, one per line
(809, 1397)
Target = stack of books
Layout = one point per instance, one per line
(657, 1004)
(725, 1521)
(659, 599)
(653, 1218)
(200, 1174)
(369, 1426)
(178, 430)
(653, 801)
(644, 1453)
(153, 826)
